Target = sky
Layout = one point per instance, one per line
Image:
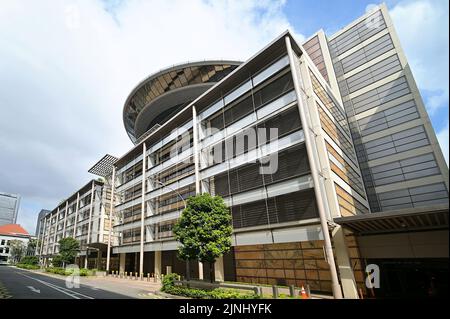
(67, 67)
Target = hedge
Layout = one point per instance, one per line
(65, 272)
(27, 266)
(168, 286)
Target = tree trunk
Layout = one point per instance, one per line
(211, 272)
(188, 271)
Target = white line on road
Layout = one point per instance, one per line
(71, 293)
(34, 289)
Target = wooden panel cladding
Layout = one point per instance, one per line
(296, 263)
(357, 263)
(348, 205)
(314, 50)
(331, 129)
(345, 171)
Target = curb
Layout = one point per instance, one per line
(169, 296)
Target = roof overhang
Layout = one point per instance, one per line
(404, 220)
(104, 166)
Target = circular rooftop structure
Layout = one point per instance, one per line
(161, 95)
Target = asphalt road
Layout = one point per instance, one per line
(22, 284)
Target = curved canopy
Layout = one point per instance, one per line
(164, 93)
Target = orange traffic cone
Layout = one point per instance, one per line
(303, 293)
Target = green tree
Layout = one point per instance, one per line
(68, 249)
(17, 250)
(57, 261)
(204, 230)
(29, 260)
(31, 247)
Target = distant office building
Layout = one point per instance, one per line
(40, 221)
(9, 208)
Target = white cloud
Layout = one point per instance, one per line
(66, 68)
(422, 26)
(442, 137)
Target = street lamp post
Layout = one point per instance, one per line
(188, 275)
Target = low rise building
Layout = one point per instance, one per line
(84, 216)
(9, 233)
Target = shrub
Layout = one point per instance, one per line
(84, 272)
(57, 261)
(29, 260)
(169, 280)
(27, 266)
(66, 272)
(218, 293)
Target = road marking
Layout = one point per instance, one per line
(68, 292)
(34, 289)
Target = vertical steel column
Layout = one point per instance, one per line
(196, 150)
(144, 168)
(111, 208)
(197, 169)
(337, 292)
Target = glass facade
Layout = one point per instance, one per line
(245, 139)
(9, 207)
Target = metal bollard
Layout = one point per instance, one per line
(141, 276)
(260, 291)
(148, 276)
(275, 291)
(135, 275)
(292, 290)
(126, 274)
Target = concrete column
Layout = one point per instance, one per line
(76, 216)
(41, 248)
(315, 171)
(200, 270)
(49, 226)
(56, 230)
(219, 272)
(86, 260)
(122, 259)
(158, 256)
(90, 215)
(348, 281)
(111, 209)
(65, 220)
(144, 168)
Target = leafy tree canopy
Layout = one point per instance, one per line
(68, 249)
(204, 229)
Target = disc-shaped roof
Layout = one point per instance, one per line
(162, 94)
